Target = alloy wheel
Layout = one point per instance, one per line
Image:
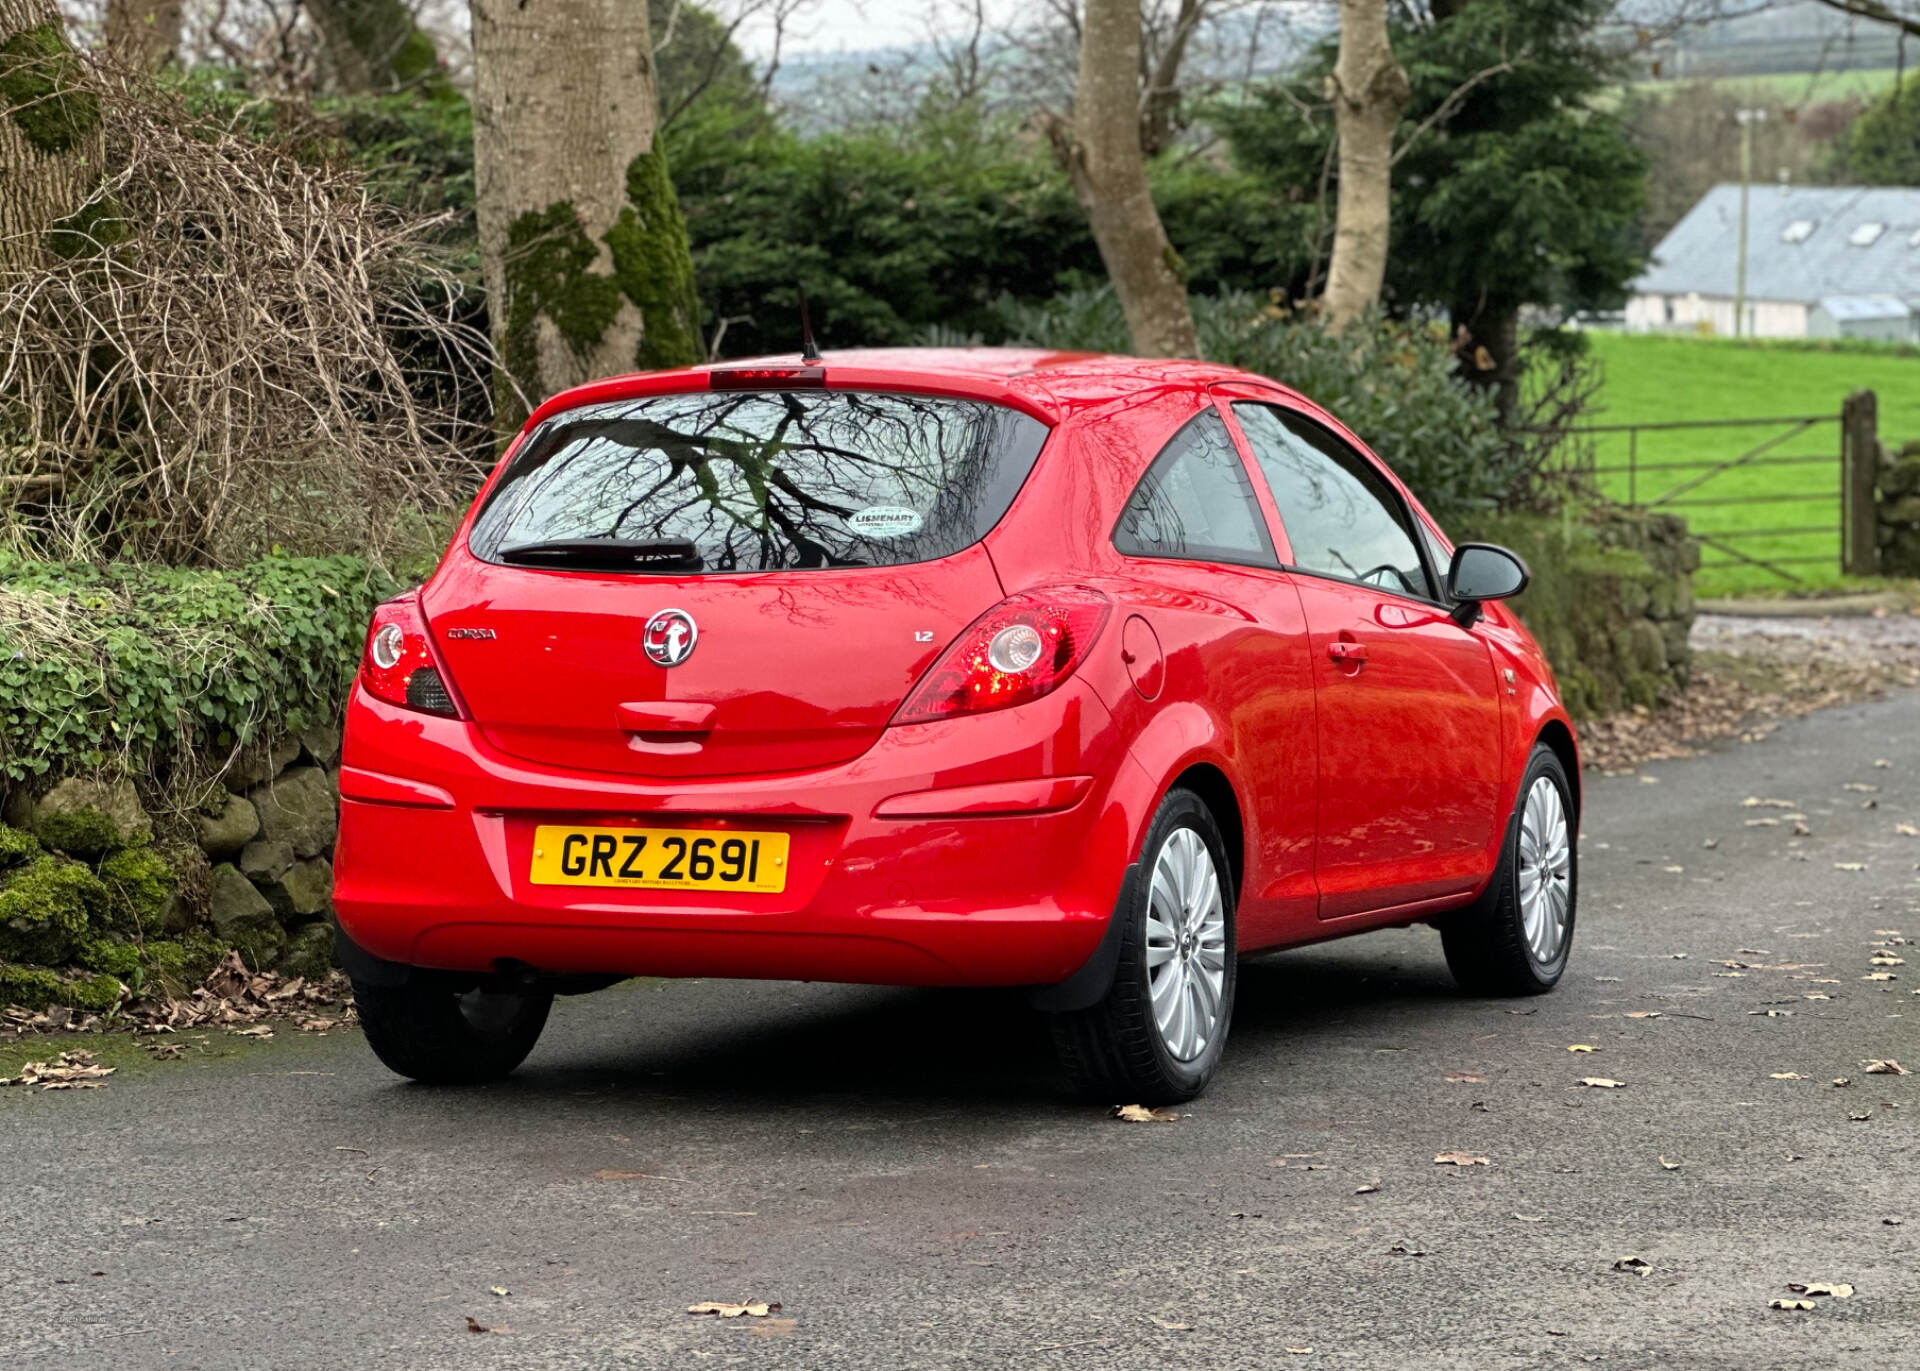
(1546, 871)
(1186, 945)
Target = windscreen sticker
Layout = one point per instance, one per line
(885, 521)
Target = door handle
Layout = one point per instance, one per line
(1347, 652)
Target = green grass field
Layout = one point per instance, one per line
(1661, 379)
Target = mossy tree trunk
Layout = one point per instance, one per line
(145, 33)
(582, 241)
(373, 46)
(50, 141)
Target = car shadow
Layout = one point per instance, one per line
(739, 1044)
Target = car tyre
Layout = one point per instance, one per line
(440, 1035)
(1176, 957)
(1516, 938)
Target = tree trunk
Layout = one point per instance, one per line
(144, 33)
(1369, 91)
(373, 46)
(1487, 340)
(1104, 160)
(50, 141)
(582, 242)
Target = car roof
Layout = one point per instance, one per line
(1047, 383)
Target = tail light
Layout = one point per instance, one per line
(398, 665)
(1021, 649)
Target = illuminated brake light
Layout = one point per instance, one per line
(398, 665)
(1021, 649)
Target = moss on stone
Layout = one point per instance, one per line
(652, 263)
(16, 846)
(140, 885)
(85, 829)
(116, 956)
(37, 988)
(46, 907)
(43, 89)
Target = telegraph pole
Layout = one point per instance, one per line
(1746, 118)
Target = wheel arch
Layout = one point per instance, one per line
(1210, 783)
(1556, 734)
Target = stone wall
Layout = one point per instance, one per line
(1611, 600)
(1896, 501)
(99, 897)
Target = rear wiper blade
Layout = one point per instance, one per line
(617, 554)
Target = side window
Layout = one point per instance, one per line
(1196, 502)
(1343, 519)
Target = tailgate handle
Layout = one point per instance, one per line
(665, 716)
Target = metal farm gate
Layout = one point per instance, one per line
(1771, 495)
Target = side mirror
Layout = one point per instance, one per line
(1482, 572)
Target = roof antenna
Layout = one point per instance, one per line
(809, 350)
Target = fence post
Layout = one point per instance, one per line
(1859, 463)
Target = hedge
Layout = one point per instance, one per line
(163, 671)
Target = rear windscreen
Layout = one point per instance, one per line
(766, 480)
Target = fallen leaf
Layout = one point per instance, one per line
(1787, 1076)
(1842, 1080)
(1763, 823)
(1839, 1290)
(1460, 1159)
(1789, 1304)
(610, 1175)
(1753, 802)
(1859, 786)
(316, 1025)
(1889, 1067)
(500, 1290)
(1368, 1190)
(1770, 1013)
(1861, 1117)
(1601, 1083)
(1170, 1325)
(1581, 1047)
(1300, 1351)
(1465, 1078)
(758, 1309)
(1673, 870)
(1800, 829)
(1879, 976)
(1633, 1264)
(259, 1030)
(1643, 1014)
(1530, 1218)
(1907, 830)
(1400, 1249)
(1666, 1165)
(1139, 1113)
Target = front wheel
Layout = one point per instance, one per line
(439, 1035)
(1157, 1036)
(1515, 939)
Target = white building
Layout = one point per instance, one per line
(1822, 262)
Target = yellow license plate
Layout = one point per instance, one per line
(659, 858)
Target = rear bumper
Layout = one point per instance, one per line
(436, 832)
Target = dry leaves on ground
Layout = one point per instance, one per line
(1889, 1067)
(1460, 1159)
(1636, 1265)
(1601, 1083)
(1139, 1113)
(757, 1309)
(72, 1071)
(1839, 1290)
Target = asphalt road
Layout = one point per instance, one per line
(899, 1171)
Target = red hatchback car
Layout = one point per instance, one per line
(965, 668)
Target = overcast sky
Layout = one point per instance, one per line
(855, 25)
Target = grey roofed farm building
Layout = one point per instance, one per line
(1822, 261)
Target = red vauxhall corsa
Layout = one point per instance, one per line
(966, 668)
